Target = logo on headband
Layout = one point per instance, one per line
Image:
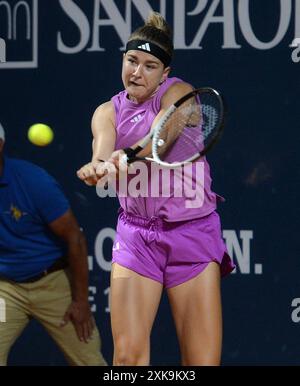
(145, 47)
(154, 49)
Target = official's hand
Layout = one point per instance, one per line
(79, 313)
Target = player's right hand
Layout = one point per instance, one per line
(87, 173)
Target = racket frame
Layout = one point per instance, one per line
(131, 154)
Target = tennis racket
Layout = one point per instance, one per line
(186, 132)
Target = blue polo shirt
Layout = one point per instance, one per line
(29, 200)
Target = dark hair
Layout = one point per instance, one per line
(157, 31)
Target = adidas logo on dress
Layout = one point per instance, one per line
(136, 118)
(145, 47)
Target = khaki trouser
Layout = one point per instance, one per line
(45, 300)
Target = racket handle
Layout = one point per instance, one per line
(124, 160)
(131, 154)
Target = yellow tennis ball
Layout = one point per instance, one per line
(40, 134)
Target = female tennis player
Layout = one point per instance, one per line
(161, 242)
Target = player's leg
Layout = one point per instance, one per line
(15, 317)
(134, 303)
(52, 298)
(196, 308)
(197, 259)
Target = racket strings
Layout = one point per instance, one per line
(210, 119)
(189, 129)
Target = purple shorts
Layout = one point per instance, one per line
(170, 252)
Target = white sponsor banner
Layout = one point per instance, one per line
(234, 18)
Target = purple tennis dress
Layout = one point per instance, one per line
(171, 237)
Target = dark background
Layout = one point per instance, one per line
(255, 166)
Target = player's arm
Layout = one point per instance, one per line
(104, 133)
(172, 95)
(67, 229)
(104, 138)
(175, 92)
